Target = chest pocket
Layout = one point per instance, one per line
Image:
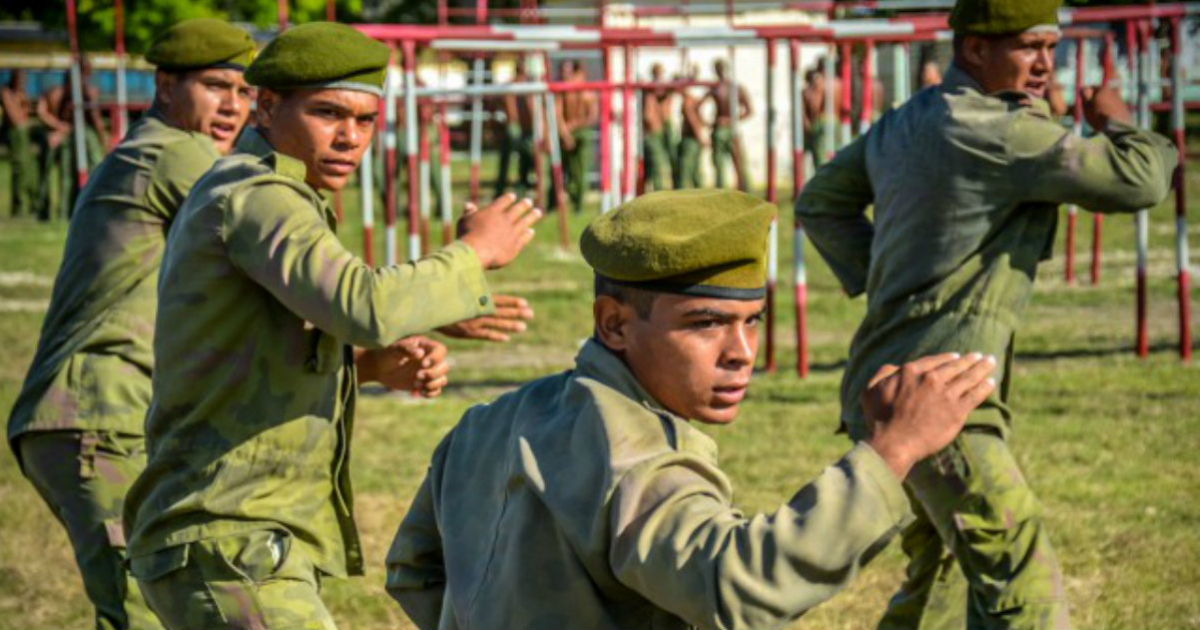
(324, 352)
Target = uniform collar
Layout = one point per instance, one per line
(957, 80)
(598, 362)
(254, 143)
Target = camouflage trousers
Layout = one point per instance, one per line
(254, 581)
(979, 554)
(726, 147)
(656, 158)
(83, 476)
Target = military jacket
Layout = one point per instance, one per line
(966, 188)
(259, 305)
(94, 359)
(577, 501)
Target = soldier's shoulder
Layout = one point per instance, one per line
(187, 153)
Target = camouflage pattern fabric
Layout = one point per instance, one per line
(83, 476)
(723, 147)
(254, 385)
(949, 267)
(94, 357)
(577, 501)
(60, 183)
(257, 580)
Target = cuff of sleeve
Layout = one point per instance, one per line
(866, 462)
(474, 281)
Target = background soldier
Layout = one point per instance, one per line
(577, 112)
(77, 424)
(587, 499)
(254, 395)
(518, 137)
(693, 137)
(813, 97)
(23, 187)
(965, 179)
(656, 131)
(60, 184)
(725, 146)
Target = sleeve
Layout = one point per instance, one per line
(832, 208)
(1124, 169)
(679, 542)
(416, 571)
(275, 236)
(179, 166)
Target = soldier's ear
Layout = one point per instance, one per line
(268, 103)
(611, 318)
(164, 84)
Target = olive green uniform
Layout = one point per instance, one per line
(246, 498)
(578, 501)
(77, 423)
(578, 163)
(60, 173)
(23, 180)
(723, 148)
(657, 158)
(966, 187)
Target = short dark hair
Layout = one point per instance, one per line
(641, 300)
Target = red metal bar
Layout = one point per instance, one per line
(444, 164)
(847, 100)
(1072, 210)
(1143, 344)
(798, 271)
(605, 137)
(118, 120)
(423, 141)
(330, 10)
(772, 198)
(1107, 55)
(628, 170)
(77, 89)
(281, 8)
(1181, 240)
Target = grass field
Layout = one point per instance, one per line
(1109, 442)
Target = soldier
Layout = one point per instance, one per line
(587, 499)
(577, 112)
(60, 186)
(24, 178)
(813, 96)
(518, 136)
(656, 132)
(692, 139)
(246, 503)
(726, 146)
(965, 179)
(87, 392)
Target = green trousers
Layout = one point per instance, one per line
(723, 149)
(577, 162)
(83, 476)
(515, 140)
(688, 173)
(979, 556)
(254, 580)
(24, 181)
(657, 159)
(60, 183)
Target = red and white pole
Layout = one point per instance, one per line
(606, 127)
(539, 135)
(410, 147)
(477, 71)
(1182, 258)
(867, 96)
(121, 122)
(1097, 218)
(798, 271)
(556, 170)
(1077, 115)
(773, 243)
(330, 10)
(1142, 227)
(366, 181)
(444, 199)
(847, 99)
(81, 166)
(423, 188)
(390, 167)
(281, 14)
(629, 182)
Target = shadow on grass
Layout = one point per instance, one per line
(1107, 351)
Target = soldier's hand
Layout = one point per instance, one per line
(1100, 105)
(500, 231)
(511, 314)
(415, 364)
(917, 409)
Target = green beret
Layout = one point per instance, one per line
(710, 243)
(1002, 17)
(321, 55)
(202, 43)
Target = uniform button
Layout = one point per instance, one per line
(483, 300)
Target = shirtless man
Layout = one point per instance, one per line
(692, 139)
(725, 145)
(577, 112)
(656, 131)
(813, 96)
(54, 109)
(518, 137)
(23, 186)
